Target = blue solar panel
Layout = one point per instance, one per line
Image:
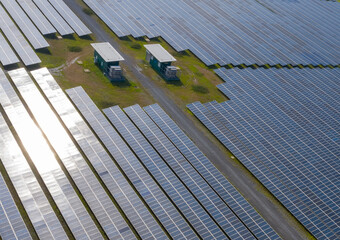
(285, 122)
(259, 227)
(223, 32)
(219, 211)
(152, 194)
(176, 190)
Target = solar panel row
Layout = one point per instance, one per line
(72, 19)
(41, 214)
(149, 190)
(7, 56)
(176, 190)
(248, 32)
(57, 183)
(39, 20)
(25, 24)
(17, 40)
(99, 202)
(247, 214)
(213, 204)
(283, 125)
(53, 16)
(132, 206)
(12, 225)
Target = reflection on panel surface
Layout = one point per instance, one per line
(124, 194)
(44, 160)
(38, 208)
(90, 188)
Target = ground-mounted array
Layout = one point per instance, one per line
(132, 174)
(233, 32)
(283, 125)
(25, 22)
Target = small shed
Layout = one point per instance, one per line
(161, 60)
(107, 58)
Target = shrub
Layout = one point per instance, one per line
(136, 46)
(74, 48)
(88, 11)
(200, 89)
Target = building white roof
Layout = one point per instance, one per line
(107, 52)
(160, 53)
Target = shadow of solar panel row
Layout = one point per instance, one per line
(12, 225)
(239, 205)
(17, 40)
(213, 204)
(176, 190)
(286, 123)
(66, 199)
(126, 197)
(94, 194)
(149, 190)
(248, 32)
(41, 214)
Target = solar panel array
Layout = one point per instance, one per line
(34, 18)
(12, 225)
(39, 20)
(25, 24)
(17, 40)
(57, 183)
(94, 194)
(213, 204)
(149, 190)
(176, 190)
(233, 32)
(69, 16)
(237, 203)
(41, 214)
(126, 197)
(152, 179)
(283, 125)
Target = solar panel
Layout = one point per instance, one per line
(119, 187)
(158, 202)
(248, 215)
(66, 199)
(53, 16)
(41, 214)
(39, 20)
(25, 24)
(17, 40)
(7, 56)
(12, 225)
(94, 194)
(72, 19)
(219, 211)
(233, 32)
(285, 122)
(176, 190)
(103, 13)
